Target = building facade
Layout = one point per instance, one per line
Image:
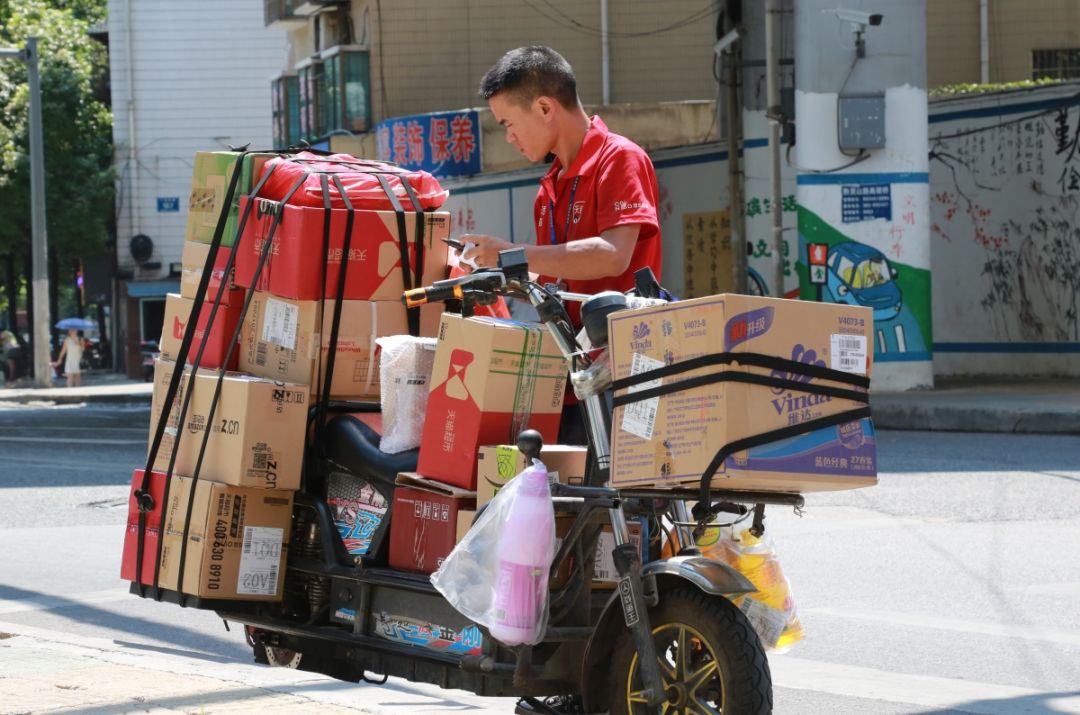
(185, 77)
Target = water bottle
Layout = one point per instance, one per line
(526, 548)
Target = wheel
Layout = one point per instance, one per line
(711, 660)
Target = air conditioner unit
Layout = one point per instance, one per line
(335, 27)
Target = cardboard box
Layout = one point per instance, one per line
(257, 434)
(217, 336)
(156, 487)
(424, 522)
(604, 573)
(193, 261)
(496, 465)
(296, 262)
(210, 178)
(280, 337)
(672, 438)
(492, 379)
(237, 541)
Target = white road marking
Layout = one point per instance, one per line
(918, 620)
(60, 441)
(923, 690)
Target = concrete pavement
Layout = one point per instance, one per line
(1050, 406)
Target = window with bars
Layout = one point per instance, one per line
(286, 110)
(1055, 64)
(347, 81)
(311, 90)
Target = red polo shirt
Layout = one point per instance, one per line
(610, 183)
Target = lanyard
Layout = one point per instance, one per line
(569, 211)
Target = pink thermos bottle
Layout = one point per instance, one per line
(526, 549)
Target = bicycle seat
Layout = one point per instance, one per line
(353, 443)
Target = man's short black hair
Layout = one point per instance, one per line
(530, 72)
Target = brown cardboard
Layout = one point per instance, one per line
(604, 574)
(492, 379)
(216, 334)
(496, 465)
(257, 439)
(464, 523)
(280, 337)
(192, 263)
(672, 438)
(424, 523)
(236, 544)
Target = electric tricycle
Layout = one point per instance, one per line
(666, 638)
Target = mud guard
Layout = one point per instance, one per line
(712, 577)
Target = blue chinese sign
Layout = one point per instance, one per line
(444, 143)
(168, 204)
(865, 203)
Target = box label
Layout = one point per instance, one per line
(639, 418)
(259, 561)
(281, 323)
(848, 353)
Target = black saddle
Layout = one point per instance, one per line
(355, 445)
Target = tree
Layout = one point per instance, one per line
(77, 135)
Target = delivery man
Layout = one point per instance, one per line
(595, 212)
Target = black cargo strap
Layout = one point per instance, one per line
(234, 341)
(339, 297)
(143, 497)
(787, 367)
(770, 362)
(413, 314)
(764, 438)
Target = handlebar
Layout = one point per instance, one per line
(431, 294)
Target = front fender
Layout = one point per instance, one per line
(712, 577)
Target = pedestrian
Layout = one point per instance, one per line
(595, 212)
(71, 353)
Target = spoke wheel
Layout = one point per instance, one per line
(711, 661)
(282, 657)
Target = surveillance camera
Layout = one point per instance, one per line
(857, 17)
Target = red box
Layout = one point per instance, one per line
(423, 522)
(217, 337)
(294, 266)
(492, 379)
(156, 487)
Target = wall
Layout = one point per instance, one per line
(430, 56)
(201, 82)
(1005, 232)
(1016, 27)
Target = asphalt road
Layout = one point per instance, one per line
(953, 586)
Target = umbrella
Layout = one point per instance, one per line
(76, 324)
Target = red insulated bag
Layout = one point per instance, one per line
(359, 177)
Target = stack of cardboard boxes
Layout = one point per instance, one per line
(240, 505)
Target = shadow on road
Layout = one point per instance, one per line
(1035, 704)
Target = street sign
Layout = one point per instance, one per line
(168, 204)
(818, 253)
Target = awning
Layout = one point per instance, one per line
(152, 289)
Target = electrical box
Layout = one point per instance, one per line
(861, 121)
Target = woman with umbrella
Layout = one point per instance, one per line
(72, 349)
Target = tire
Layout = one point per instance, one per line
(740, 682)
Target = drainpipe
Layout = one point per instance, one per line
(133, 165)
(605, 63)
(984, 41)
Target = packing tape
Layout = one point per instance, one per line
(372, 347)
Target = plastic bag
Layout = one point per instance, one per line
(405, 369)
(497, 576)
(358, 177)
(771, 609)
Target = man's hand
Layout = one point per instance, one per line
(486, 251)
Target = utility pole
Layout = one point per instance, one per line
(773, 112)
(39, 280)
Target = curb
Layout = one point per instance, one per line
(950, 418)
(49, 395)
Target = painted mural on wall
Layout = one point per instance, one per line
(860, 274)
(1006, 205)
